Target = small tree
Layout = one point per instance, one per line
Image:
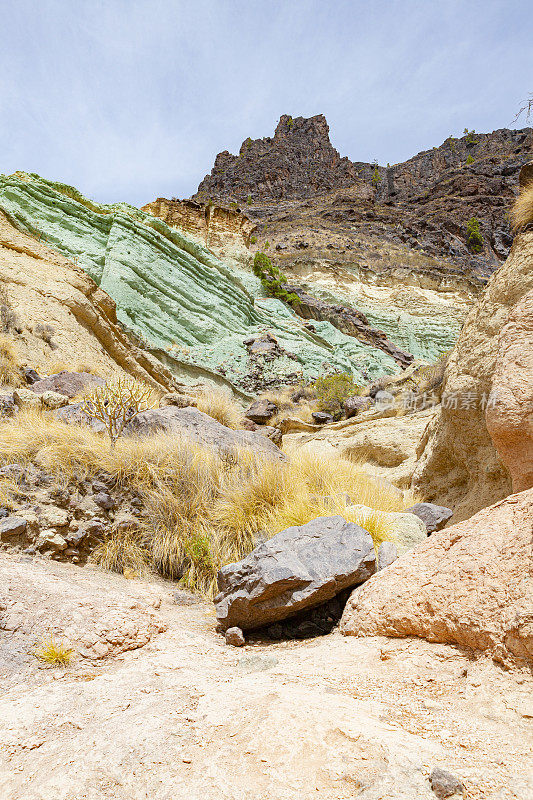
(117, 403)
(469, 159)
(474, 237)
(376, 177)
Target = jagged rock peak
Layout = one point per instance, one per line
(298, 161)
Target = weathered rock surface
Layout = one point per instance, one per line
(434, 517)
(509, 414)
(404, 529)
(445, 785)
(67, 383)
(298, 568)
(469, 584)
(332, 717)
(387, 555)
(459, 465)
(261, 411)
(199, 427)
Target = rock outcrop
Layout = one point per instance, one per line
(509, 414)
(459, 465)
(57, 315)
(297, 569)
(469, 584)
(190, 310)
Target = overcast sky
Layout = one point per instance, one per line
(132, 99)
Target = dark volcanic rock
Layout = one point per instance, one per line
(444, 784)
(297, 569)
(261, 411)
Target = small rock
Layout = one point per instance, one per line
(261, 411)
(31, 376)
(126, 522)
(53, 517)
(7, 406)
(25, 398)
(274, 434)
(235, 637)
(387, 554)
(49, 539)
(434, 517)
(104, 500)
(322, 417)
(185, 598)
(444, 784)
(53, 400)
(177, 399)
(12, 526)
(4, 513)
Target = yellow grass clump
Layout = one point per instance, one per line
(522, 210)
(57, 655)
(220, 405)
(201, 509)
(10, 374)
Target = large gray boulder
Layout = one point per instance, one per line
(298, 568)
(201, 428)
(67, 383)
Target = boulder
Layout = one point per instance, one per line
(299, 568)
(53, 400)
(12, 526)
(75, 415)
(261, 411)
(406, 530)
(509, 412)
(354, 405)
(469, 584)
(274, 434)
(30, 375)
(200, 428)
(68, 383)
(322, 417)
(434, 517)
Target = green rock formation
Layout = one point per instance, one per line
(190, 309)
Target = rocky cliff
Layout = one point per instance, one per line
(200, 317)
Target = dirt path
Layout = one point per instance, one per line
(185, 716)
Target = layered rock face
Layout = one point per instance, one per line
(57, 315)
(469, 584)
(489, 373)
(196, 314)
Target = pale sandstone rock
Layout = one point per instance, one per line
(459, 466)
(50, 399)
(509, 417)
(469, 584)
(386, 444)
(25, 398)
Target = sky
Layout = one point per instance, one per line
(129, 100)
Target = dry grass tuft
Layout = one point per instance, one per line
(219, 404)
(201, 509)
(57, 655)
(522, 210)
(10, 374)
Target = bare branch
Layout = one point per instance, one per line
(117, 403)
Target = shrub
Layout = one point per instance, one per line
(470, 136)
(117, 403)
(522, 210)
(249, 200)
(45, 332)
(273, 280)
(8, 318)
(376, 177)
(253, 239)
(57, 655)
(474, 238)
(331, 391)
(469, 159)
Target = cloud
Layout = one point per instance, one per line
(132, 99)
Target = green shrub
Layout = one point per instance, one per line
(376, 177)
(470, 136)
(266, 245)
(474, 238)
(332, 390)
(272, 279)
(249, 200)
(253, 239)
(469, 159)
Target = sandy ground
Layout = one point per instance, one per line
(182, 715)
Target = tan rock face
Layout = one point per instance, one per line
(509, 417)
(65, 320)
(459, 466)
(469, 584)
